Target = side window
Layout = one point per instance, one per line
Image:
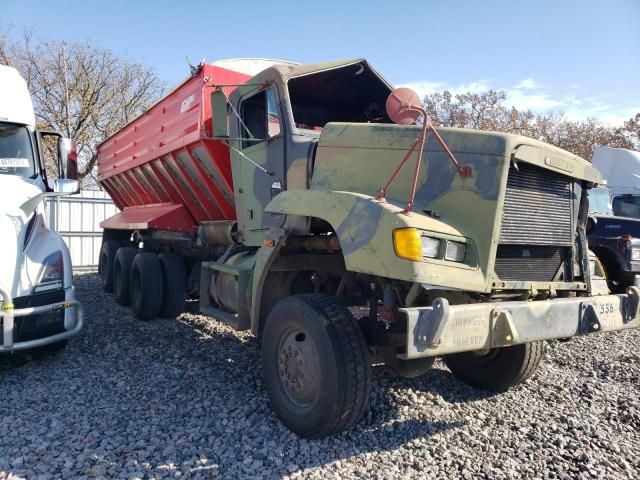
(260, 118)
(626, 206)
(273, 117)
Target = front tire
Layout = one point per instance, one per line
(497, 369)
(146, 286)
(316, 365)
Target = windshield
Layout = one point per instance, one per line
(627, 206)
(599, 201)
(16, 153)
(353, 93)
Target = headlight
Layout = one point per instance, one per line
(455, 251)
(635, 254)
(410, 244)
(51, 276)
(430, 247)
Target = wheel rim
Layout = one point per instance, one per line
(298, 367)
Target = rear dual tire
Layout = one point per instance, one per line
(146, 287)
(156, 286)
(174, 278)
(122, 274)
(105, 264)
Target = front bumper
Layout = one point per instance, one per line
(9, 314)
(443, 329)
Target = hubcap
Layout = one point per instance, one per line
(298, 367)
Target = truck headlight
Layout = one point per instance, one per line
(430, 247)
(51, 276)
(410, 244)
(635, 254)
(455, 251)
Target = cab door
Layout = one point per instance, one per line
(260, 158)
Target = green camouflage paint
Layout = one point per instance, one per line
(352, 163)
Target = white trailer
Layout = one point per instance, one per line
(620, 167)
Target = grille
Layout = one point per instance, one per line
(536, 226)
(537, 208)
(39, 299)
(528, 263)
(32, 327)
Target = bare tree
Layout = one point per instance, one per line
(631, 130)
(83, 90)
(487, 111)
(4, 54)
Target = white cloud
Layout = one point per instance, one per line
(529, 100)
(527, 84)
(427, 87)
(529, 94)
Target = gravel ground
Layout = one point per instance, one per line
(184, 399)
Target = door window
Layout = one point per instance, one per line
(260, 118)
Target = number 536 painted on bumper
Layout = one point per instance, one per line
(442, 328)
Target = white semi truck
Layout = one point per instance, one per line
(38, 307)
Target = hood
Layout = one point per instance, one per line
(14, 191)
(612, 226)
(15, 101)
(361, 158)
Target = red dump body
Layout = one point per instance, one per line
(163, 170)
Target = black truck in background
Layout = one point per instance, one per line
(614, 236)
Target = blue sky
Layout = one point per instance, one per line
(578, 56)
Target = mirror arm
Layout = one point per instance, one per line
(235, 112)
(253, 162)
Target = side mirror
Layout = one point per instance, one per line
(68, 158)
(219, 115)
(66, 185)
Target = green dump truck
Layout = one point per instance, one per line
(287, 199)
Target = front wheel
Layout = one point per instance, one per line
(316, 365)
(496, 369)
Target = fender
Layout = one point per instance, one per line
(364, 228)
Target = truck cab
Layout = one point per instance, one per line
(38, 303)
